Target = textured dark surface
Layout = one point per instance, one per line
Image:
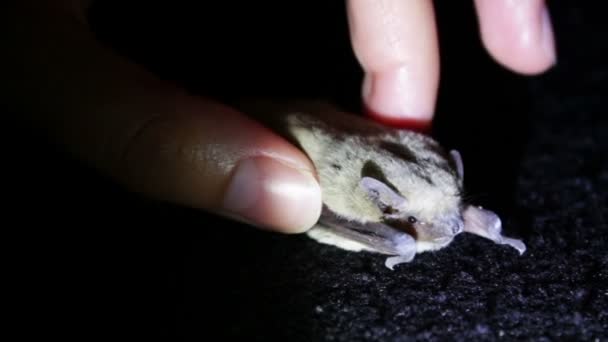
(91, 259)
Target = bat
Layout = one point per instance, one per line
(385, 190)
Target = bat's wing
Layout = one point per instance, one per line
(373, 236)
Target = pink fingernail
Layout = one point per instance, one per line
(268, 193)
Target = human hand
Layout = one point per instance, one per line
(396, 43)
(157, 140)
(147, 134)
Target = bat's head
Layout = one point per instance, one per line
(427, 206)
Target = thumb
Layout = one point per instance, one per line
(151, 136)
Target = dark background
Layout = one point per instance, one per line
(91, 259)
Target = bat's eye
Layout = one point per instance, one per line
(412, 219)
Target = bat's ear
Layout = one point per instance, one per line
(458, 161)
(381, 194)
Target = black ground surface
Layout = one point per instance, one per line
(90, 259)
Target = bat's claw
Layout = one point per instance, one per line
(391, 262)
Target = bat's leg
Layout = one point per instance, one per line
(406, 247)
(487, 224)
(374, 236)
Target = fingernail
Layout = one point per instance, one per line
(399, 94)
(547, 36)
(268, 193)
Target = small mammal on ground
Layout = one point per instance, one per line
(386, 190)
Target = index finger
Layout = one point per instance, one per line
(396, 43)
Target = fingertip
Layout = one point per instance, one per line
(396, 44)
(272, 195)
(212, 157)
(400, 95)
(423, 126)
(518, 35)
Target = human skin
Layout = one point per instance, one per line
(157, 140)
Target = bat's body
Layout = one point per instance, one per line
(387, 190)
